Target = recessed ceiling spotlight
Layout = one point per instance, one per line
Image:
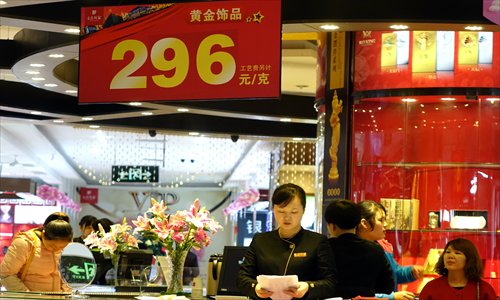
(58, 121)
(135, 103)
(409, 100)
(448, 99)
(398, 27)
(94, 126)
(473, 27)
(329, 27)
(182, 110)
(87, 119)
(36, 65)
(32, 72)
(36, 113)
(71, 91)
(193, 133)
(286, 120)
(72, 30)
(50, 85)
(56, 55)
(37, 78)
(146, 113)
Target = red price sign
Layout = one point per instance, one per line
(182, 51)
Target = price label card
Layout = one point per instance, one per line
(181, 51)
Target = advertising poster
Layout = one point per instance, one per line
(181, 51)
(436, 58)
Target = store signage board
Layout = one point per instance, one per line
(180, 51)
(137, 174)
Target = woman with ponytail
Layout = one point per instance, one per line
(32, 260)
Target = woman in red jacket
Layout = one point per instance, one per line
(461, 269)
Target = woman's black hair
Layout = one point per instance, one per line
(473, 269)
(285, 193)
(87, 220)
(369, 209)
(57, 227)
(105, 223)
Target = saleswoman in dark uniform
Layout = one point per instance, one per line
(289, 250)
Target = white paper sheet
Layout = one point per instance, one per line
(278, 284)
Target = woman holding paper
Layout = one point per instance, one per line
(289, 250)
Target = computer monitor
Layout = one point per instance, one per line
(132, 262)
(231, 260)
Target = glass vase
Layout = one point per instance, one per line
(172, 266)
(115, 259)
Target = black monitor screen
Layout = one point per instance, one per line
(133, 260)
(233, 257)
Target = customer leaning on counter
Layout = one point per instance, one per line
(289, 250)
(32, 260)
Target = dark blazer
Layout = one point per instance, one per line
(309, 255)
(362, 267)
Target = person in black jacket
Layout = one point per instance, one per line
(362, 267)
(289, 250)
(85, 224)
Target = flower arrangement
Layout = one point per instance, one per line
(177, 233)
(47, 192)
(180, 231)
(117, 240)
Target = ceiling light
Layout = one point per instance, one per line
(448, 99)
(146, 113)
(492, 99)
(409, 100)
(58, 121)
(87, 119)
(329, 27)
(94, 126)
(194, 133)
(32, 72)
(398, 27)
(56, 55)
(36, 113)
(134, 103)
(37, 78)
(475, 28)
(286, 120)
(297, 139)
(50, 85)
(37, 65)
(3, 2)
(71, 91)
(72, 30)
(182, 110)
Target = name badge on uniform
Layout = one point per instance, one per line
(300, 254)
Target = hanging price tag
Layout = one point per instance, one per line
(181, 51)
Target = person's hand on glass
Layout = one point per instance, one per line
(298, 292)
(404, 295)
(262, 293)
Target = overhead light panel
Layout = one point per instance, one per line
(58, 121)
(36, 112)
(146, 113)
(473, 28)
(87, 119)
(94, 126)
(135, 103)
(56, 55)
(37, 78)
(71, 91)
(194, 133)
(50, 85)
(329, 27)
(37, 65)
(286, 120)
(3, 2)
(398, 27)
(182, 110)
(409, 100)
(72, 30)
(448, 99)
(32, 72)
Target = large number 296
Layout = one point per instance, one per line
(179, 63)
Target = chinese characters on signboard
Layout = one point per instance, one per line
(144, 174)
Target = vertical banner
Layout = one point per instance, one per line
(89, 195)
(335, 166)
